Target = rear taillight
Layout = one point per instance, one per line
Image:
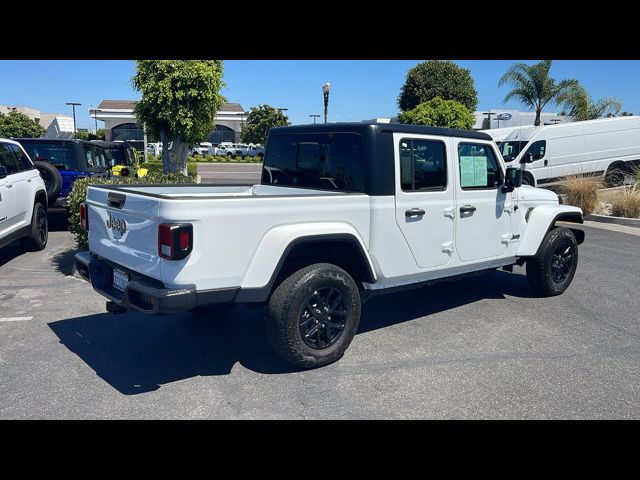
(175, 241)
(84, 216)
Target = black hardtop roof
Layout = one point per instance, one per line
(381, 127)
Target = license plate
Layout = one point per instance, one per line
(120, 280)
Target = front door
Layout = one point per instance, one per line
(424, 197)
(482, 218)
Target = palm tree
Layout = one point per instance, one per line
(579, 105)
(533, 86)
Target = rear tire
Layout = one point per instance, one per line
(615, 175)
(52, 179)
(527, 179)
(551, 270)
(39, 233)
(313, 315)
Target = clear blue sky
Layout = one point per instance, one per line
(360, 89)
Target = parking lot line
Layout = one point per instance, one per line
(14, 319)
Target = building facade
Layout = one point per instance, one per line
(514, 118)
(120, 122)
(44, 119)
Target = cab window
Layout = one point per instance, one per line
(423, 165)
(479, 168)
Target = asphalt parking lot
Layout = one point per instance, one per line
(226, 173)
(480, 348)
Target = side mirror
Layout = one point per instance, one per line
(528, 158)
(513, 179)
(3, 171)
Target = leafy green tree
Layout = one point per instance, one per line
(533, 86)
(81, 135)
(180, 99)
(578, 104)
(260, 120)
(438, 78)
(440, 113)
(18, 125)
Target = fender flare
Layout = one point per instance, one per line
(542, 219)
(277, 243)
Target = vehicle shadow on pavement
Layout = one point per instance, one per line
(136, 353)
(10, 252)
(385, 310)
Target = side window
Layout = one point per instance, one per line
(423, 165)
(8, 159)
(478, 166)
(23, 160)
(100, 157)
(88, 156)
(538, 149)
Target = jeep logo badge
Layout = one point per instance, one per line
(116, 224)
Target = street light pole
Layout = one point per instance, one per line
(73, 105)
(314, 116)
(325, 92)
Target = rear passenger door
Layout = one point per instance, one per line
(424, 197)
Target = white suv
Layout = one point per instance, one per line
(23, 199)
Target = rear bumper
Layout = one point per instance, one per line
(144, 294)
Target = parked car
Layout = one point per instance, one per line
(609, 147)
(343, 212)
(255, 150)
(225, 149)
(122, 158)
(201, 148)
(61, 162)
(154, 149)
(23, 199)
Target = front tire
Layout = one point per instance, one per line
(313, 315)
(39, 233)
(551, 270)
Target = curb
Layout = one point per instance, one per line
(627, 222)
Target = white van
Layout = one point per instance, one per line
(608, 146)
(499, 134)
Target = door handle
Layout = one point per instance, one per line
(9, 185)
(467, 209)
(414, 212)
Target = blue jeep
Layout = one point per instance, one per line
(61, 162)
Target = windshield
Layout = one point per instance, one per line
(510, 150)
(57, 153)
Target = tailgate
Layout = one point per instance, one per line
(123, 228)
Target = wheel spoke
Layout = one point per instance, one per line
(336, 325)
(311, 331)
(326, 307)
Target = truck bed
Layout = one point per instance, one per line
(230, 224)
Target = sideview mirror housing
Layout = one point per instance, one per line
(3, 171)
(528, 158)
(512, 180)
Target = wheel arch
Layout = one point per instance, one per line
(344, 249)
(41, 196)
(540, 220)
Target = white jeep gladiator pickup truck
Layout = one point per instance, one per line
(343, 211)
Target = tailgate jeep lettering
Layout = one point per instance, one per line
(116, 224)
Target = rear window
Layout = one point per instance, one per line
(327, 161)
(57, 153)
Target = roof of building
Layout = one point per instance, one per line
(129, 104)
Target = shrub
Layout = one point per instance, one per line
(440, 113)
(78, 195)
(156, 167)
(582, 191)
(626, 204)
